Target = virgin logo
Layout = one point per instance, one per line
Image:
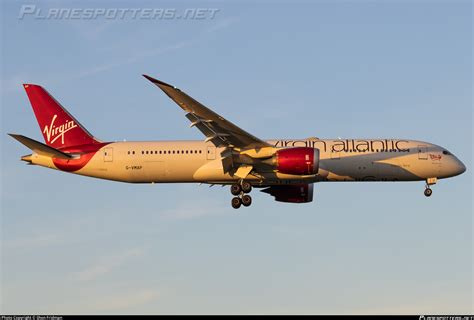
(54, 132)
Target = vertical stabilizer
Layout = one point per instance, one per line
(59, 128)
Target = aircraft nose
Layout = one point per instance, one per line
(461, 167)
(453, 167)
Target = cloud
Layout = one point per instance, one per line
(195, 208)
(430, 307)
(93, 301)
(13, 83)
(133, 58)
(35, 241)
(107, 264)
(139, 55)
(222, 24)
(125, 301)
(289, 231)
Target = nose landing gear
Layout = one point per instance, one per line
(430, 181)
(428, 191)
(239, 190)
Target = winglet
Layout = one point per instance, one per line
(158, 82)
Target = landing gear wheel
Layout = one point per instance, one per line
(428, 192)
(236, 202)
(246, 200)
(246, 187)
(235, 189)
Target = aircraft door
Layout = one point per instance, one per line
(108, 154)
(422, 155)
(211, 153)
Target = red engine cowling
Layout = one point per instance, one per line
(297, 161)
(300, 193)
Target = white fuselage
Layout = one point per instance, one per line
(198, 161)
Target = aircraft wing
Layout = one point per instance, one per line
(218, 130)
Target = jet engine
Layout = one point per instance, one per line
(297, 161)
(300, 193)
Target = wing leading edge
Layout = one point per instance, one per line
(219, 131)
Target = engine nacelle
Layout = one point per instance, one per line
(300, 193)
(297, 161)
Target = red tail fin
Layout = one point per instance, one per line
(59, 128)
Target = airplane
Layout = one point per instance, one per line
(286, 169)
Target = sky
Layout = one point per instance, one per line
(285, 69)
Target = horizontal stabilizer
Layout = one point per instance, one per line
(40, 148)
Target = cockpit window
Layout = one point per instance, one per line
(446, 152)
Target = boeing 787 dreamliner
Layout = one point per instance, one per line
(285, 168)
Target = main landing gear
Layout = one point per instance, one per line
(239, 190)
(430, 181)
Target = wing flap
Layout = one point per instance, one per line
(243, 171)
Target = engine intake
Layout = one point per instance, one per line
(297, 161)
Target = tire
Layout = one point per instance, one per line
(235, 189)
(246, 187)
(236, 203)
(246, 200)
(428, 192)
